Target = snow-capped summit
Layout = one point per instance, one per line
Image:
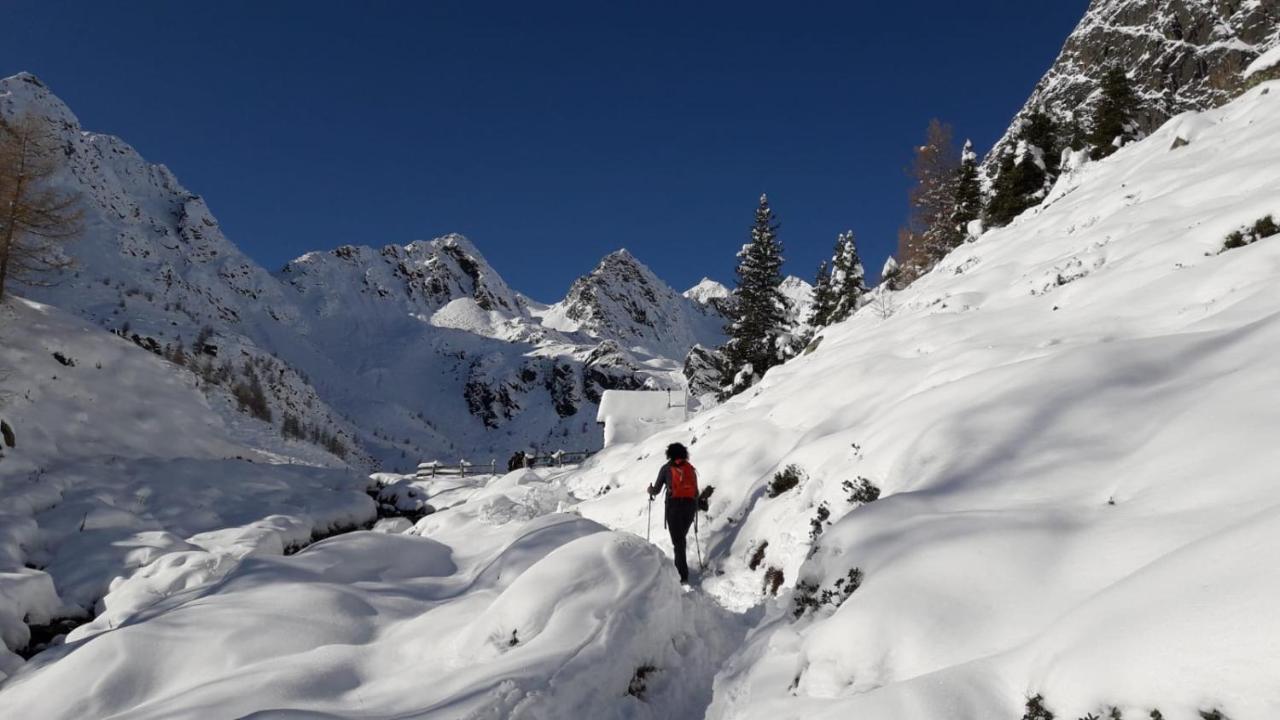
(622, 300)
(707, 290)
(799, 295)
(445, 281)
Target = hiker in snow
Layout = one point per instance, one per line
(681, 481)
(516, 462)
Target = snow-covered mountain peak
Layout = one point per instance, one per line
(418, 279)
(707, 290)
(418, 349)
(623, 300)
(26, 92)
(799, 293)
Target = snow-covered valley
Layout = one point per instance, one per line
(1038, 482)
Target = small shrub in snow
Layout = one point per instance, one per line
(807, 597)
(1157, 715)
(817, 524)
(640, 680)
(785, 479)
(862, 491)
(804, 599)
(773, 579)
(843, 588)
(1214, 714)
(1263, 227)
(1036, 709)
(64, 360)
(757, 555)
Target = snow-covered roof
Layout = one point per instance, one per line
(633, 415)
(650, 404)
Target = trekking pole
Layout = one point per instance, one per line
(649, 526)
(696, 543)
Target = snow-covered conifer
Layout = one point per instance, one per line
(848, 279)
(760, 308)
(823, 298)
(967, 201)
(1113, 120)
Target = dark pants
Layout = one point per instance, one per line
(680, 514)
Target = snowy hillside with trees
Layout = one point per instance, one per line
(1036, 483)
(1030, 474)
(1045, 472)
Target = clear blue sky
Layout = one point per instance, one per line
(550, 133)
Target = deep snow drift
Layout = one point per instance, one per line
(499, 608)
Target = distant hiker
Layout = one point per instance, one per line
(516, 462)
(7, 438)
(681, 481)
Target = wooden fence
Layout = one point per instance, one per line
(464, 467)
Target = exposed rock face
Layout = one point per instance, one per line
(1181, 55)
(704, 371)
(419, 278)
(608, 367)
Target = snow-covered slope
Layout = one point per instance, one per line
(390, 355)
(1180, 54)
(121, 459)
(1071, 424)
(1046, 468)
(154, 265)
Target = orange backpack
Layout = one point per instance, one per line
(684, 481)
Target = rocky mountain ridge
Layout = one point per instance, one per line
(400, 353)
(1180, 55)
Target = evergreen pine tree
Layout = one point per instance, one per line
(823, 297)
(1113, 116)
(1025, 175)
(890, 273)
(968, 201)
(1040, 133)
(848, 280)
(760, 308)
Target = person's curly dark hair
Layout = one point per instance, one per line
(676, 451)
